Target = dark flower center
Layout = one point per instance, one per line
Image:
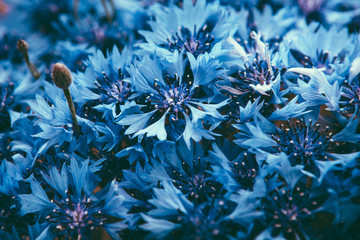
(73, 218)
(193, 42)
(304, 144)
(113, 91)
(323, 60)
(256, 80)
(287, 209)
(192, 180)
(245, 171)
(350, 98)
(173, 96)
(257, 73)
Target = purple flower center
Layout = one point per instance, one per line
(193, 42)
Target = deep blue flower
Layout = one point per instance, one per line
(74, 211)
(349, 100)
(174, 97)
(304, 142)
(270, 26)
(207, 119)
(254, 83)
(289, 211)
(72, 55)
(345, 182)
(195, 28)
(290, 203)
(175, 217)
(10, 221)
(315, 46)
(53, 116)
(326, 12)
(238, 172)
(104, 87)
(94, 32)
(8, 190)
(350, 97)
(257, 84)
(188, 170)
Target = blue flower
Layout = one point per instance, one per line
(187, 169)
(196, 29)
(175, 217)
(74, 211)
(56, 123)
(104, 87)
(257, 80)
(269, 25)
(73, 56)
(235, 172)
(314, 46)
(9, 188)
(288, 211)
(344, 182)
(304, 142)
(93, 32)
(173, 96)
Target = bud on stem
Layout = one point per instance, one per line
(62, 79)
(23, 48)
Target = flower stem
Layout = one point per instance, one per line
(23, 48)
(72, 110)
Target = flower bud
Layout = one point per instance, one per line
(61, 76)
(23, 47)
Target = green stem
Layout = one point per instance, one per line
(72, 110)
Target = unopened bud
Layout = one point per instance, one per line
(23, 47)
(61, 76)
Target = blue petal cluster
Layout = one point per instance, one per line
(179, 119)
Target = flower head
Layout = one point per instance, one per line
(181, 219)
(205, 26)
(236, 171)
(188, 171)
(179, 99)
(104, 87)
(304, 143)
(94, 32)
(288, 211)
(73, 211)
